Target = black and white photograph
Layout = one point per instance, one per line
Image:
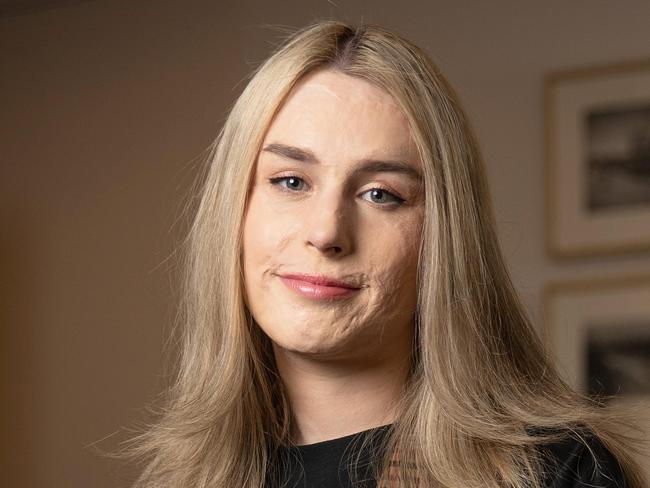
(618, 145)
(598, 160)
(618, 359)
(598, 330)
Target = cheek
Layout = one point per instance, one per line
(256, 244)
(397, 270)
(395, 259)
(256, 240)
(266, 235)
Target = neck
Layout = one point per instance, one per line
(331, 399)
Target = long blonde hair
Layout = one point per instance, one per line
(480, 380)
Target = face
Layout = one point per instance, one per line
(337, 193)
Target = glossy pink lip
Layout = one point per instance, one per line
(318, 287)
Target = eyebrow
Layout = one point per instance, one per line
(364, 166)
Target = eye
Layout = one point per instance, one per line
(382, 194)
(379, 195)
(293, 182)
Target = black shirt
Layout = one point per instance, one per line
(325, 464)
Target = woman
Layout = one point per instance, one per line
(348, 315)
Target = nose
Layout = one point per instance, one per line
(328, 229)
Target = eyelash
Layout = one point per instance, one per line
(397, 200)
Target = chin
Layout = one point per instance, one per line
(300, 342)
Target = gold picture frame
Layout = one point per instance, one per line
(598, 332)
(597, 142)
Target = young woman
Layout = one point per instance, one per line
(349, 319)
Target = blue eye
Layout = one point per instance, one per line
(291, 180)
(295, 184)
(380, 192)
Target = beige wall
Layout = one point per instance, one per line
(104, 105)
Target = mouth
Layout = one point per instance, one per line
(321, 280)
(319, 287)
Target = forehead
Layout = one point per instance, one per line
(340, 115)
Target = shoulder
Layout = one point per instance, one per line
(580, 461)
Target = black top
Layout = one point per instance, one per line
(325, 464)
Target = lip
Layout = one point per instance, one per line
(318, 287)
(320, 280)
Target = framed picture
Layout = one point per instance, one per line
(598, 160)
(599, 334)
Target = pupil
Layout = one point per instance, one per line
(292, 181)
(377, 193)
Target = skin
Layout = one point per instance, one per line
(343, 362)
